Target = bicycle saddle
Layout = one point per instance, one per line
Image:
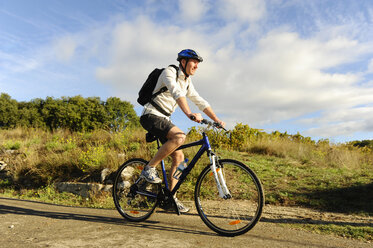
(150, 137)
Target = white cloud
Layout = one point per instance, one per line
(65, 48)
(285, 78)
(11, 63)
(370, 66)
(342, 122)
(242, 10)
(193, 10)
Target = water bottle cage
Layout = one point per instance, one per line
(178, 173)
(180, 169)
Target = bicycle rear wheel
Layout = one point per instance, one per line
(134, 198)
(240, 213)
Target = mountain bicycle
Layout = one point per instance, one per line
(228, 195)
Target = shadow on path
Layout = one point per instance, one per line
(68, 215)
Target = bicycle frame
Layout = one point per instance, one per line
(205, 147)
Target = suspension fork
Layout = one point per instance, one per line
(217, 171)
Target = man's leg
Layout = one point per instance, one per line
(177, 158)
(171, 136)
(176, 138)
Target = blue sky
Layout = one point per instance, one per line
(275, 65)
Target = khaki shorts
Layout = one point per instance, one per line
(156, 125)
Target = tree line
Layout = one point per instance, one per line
(74, 113)
(363, 143)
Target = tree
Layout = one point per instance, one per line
(8, 111)
(29, 114)
(53, 112)
(120, 114)
(74, 113)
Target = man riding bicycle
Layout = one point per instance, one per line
(155, 116)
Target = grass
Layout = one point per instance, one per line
(294, 172)
(289, 182)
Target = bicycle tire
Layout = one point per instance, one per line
(240, 213)
(129, 198)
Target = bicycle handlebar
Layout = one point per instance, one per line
(207, 122)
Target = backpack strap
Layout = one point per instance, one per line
(163, 89)
(157, 107)
(177, 71)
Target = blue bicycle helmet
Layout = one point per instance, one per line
(188, 54)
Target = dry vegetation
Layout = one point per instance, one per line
(294, 169)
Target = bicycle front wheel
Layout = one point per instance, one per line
(238, 214)
(134, 198)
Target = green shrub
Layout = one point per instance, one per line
(12, 145)
(92, 159)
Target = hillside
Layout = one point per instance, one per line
(294, 170)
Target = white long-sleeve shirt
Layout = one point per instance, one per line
(176, 89)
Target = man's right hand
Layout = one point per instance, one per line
(197, 117)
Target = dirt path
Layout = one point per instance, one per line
(31, 224)
(305, 215)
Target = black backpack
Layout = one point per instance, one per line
(146, 92)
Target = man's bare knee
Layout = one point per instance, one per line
(181, 139)
(178, 138)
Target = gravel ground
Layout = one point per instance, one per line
(31, 224)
